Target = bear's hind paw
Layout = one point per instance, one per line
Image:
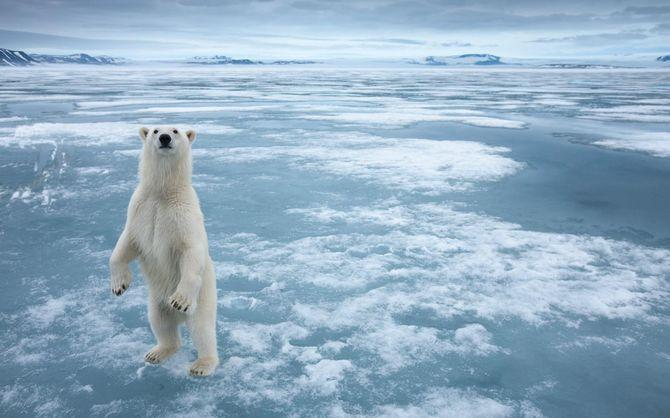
(159, 354)
(203, 366)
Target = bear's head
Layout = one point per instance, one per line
(166, 158)
(167, 140)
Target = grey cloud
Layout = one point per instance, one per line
(456, 44)
(663, 29)
(648, 10)
(487, 15)
(423, 24)
(595, 38)
(400, 41)
(30, 40)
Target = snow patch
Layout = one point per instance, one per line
(474, 338)
(414, 165)
(399, 118)
(13, 119)
(449, 403)
(654, 143)
(46, 313)
(325, 375)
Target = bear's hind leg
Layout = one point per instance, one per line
(165, 326)
(202, 327)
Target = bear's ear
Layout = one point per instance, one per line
(144, 132)
(190, 134)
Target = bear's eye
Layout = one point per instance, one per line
(155, 131)
(174, 131)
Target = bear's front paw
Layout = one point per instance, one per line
(181, 302)
(120, 281)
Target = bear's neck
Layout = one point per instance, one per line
(165, 177)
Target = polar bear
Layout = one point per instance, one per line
(165, 230)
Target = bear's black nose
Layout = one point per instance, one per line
(165, 140)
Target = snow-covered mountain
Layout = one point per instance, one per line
(12, 58)
(465, 59)
(225, 60)
(663, 58)
(76, 59)
(221, 60)
(9, 58)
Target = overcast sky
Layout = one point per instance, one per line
(320, 29)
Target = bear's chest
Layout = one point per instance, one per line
(157, 229)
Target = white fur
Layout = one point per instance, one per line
(165, 230)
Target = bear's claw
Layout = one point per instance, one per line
(119, 291)
(121, 282)
(180, 302)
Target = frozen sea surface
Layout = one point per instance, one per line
(401, 242)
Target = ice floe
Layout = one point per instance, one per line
(654, 143)
(362, 288)
(93, 134)
(421, 165)
(399, 118)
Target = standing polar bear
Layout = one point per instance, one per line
(165, 230)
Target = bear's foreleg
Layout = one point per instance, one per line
(191, 267)
(124, 252)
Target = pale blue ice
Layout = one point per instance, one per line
(397, 242)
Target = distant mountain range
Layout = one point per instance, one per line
(17, 58)
(490, 59)
(77, 59)
(12, 58)
(465, 59)
(580, 66)
(224, 60)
